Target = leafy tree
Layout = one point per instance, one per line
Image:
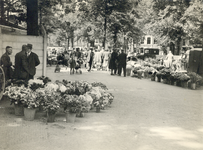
(193, 21)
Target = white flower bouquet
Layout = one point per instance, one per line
(17, 94)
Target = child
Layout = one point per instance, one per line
(57, 69)
(72, 64)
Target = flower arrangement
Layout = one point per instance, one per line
(31, 101)
(183, 77)
(96, 84)
(35, 84)
(17, 94)
(51, 101)
(44, 79)
(70, 103)
(194, 77)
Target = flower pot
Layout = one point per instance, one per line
(98, 109)
(128, 71)
(172, 82)
(70, 117)
(145, 74)
(193, 86)
(29, 114)
(165, 81)
(19, 110)
(51, 117)
(40, 108)
(184, 84)
(152, 78)
(139, 74)
(158, 79)
(178, 83)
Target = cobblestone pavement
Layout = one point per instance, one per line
(145, 115)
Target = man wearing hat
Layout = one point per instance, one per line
(33, 61)
(21, 65)
(122, 58)
(6, 63)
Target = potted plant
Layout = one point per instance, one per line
(51, 104)
(184, 78)
(17, 95)
(71, 104)
(194, 79)
(30, 104)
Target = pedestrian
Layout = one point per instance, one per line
(122, 58)
(22, 71)
(98, 59)
(113, 62)
(169, 60)
(90, 59)
(66, 58)
(33, 61)
(7, 64)
(72, 64)
(105, 60)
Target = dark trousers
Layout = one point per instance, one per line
(90, 65)
(120, 67)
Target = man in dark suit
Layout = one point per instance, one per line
(6, 63)
(33, 61)
(122, 57)
(21, 65)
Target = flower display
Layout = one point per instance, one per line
(194, 77)
(73, 96)
(51, 101)
(31, 101)
(44, 79)
(17, 94)
(35, 84)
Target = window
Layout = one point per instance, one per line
(148, 40)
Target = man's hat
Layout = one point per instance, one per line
(29, 46)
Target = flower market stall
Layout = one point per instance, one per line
(151, 68)
(75, 98)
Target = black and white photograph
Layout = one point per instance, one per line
(101, 74)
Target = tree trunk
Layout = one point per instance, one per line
(2, 11)
(32, 17)
(105, 23)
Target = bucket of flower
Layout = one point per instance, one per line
(184, 78)
(98, 105)
(17, 94)
(71, 104)
(83, 106)
(51, 104)
(194, 80)
(31, 103)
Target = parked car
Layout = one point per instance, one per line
(148, 53)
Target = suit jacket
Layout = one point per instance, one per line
(122, 59)
(21, 66)
(6, 65)
(33, 61)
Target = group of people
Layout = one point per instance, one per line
(181, 63)
(25, 63)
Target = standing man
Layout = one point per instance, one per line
(113, 62)
(33, 61)
(90, 59)
(122, 57)
(21, 65)
(6, 63)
